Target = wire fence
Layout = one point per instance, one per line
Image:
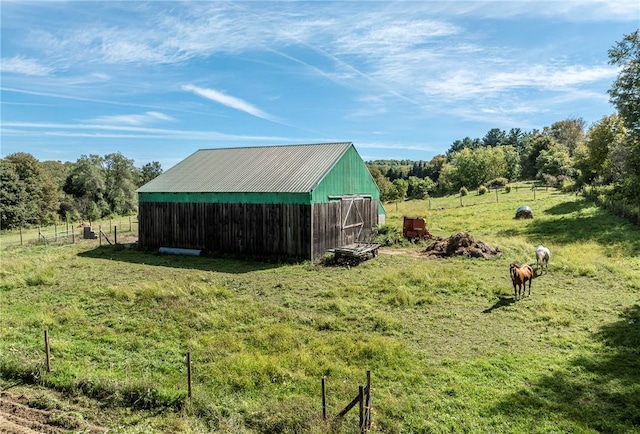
(66, 232)
(626, 209)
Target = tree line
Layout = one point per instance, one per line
(40, 193)
(604, 157)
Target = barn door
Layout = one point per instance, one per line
(354, 218)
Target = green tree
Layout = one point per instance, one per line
(512, 162)
(466, 143)
(419, 188)
(13, 197)
(494, 162)
(476, 167)
(401, 188)
(536, 143)
(121, 181)
(495, 137)
(433, 167)
(605, 154)
(387, 189)
(149, 171)
(555, 162)
(448, 181)
(517, 139)
(625, 92)
(87, 184)
(625, 95)
(568, 133)
(42, 198)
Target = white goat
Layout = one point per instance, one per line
(542, 257)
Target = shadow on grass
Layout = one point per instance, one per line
(568, 207)
(600, 227)
(210, 262)
(600, 390)
(502, 302)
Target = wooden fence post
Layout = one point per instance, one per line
(361, 408)
(324, 401)
(55, 231)
(20, 234)
(47, 350)
(129, 223)
(461, 200)
(368, 402)
(189, 374)
(100, 235)
(115, 235)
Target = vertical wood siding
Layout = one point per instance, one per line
(237, 228)
(271, 229)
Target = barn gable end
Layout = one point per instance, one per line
(297, 200)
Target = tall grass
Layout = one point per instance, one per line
(449, 349)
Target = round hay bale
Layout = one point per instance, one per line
(524, 212)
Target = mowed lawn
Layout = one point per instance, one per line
(448, 348)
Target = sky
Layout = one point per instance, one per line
(156, 81)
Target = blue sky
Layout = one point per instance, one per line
(157, 81)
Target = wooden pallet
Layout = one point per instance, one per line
(357, 250)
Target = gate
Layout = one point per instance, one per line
(355, 212)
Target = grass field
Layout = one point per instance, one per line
(448, 348)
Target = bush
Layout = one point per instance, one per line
(569, 186)
(464, 191)
(387, 235)
(507, 189)
(498, 183)
(482, 190)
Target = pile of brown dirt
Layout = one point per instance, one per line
(461, 244)
(18, 418)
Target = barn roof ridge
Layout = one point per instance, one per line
(276, 146)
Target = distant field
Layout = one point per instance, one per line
(448, 349)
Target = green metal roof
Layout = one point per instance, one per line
(289, 168)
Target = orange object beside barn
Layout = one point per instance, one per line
(415, 228)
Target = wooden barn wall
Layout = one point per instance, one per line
(330, 220)
(273, 229)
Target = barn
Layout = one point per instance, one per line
(295, 201)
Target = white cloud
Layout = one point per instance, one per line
(571, 10)
(25, 66)
(123, 131)
(227, 100)
(101, 76)
(133, 119)
(467, 85)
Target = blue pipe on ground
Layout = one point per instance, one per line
(179, 251)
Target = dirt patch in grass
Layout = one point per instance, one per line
(16, 417)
